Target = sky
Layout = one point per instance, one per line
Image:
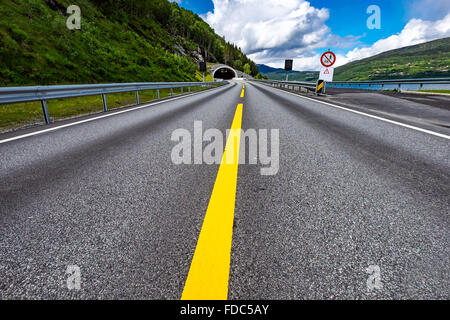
(270, 31)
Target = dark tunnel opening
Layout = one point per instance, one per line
(224, 73)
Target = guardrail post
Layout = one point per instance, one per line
(171, 92)
(105, 104)
(45, 111)
(181, 90)
(138, 101)
(157, 94)
(189, 89)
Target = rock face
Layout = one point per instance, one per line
(179, 50)
(196, 56)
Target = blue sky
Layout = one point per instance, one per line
(198, 6)
(307, 28)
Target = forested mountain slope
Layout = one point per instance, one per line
(119, 41)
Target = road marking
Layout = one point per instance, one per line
(242, 93)
(99, 117)
(209, 272)
(374, 117)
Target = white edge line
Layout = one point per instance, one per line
(98, 117)
(372, 116)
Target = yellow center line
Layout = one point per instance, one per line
(242, 92)
(210, 267)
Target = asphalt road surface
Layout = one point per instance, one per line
(352, 192)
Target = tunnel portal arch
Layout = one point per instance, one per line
(224, 72)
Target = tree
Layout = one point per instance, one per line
(247, 69)
(237, 64)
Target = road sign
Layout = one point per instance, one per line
(328, 59)
(288, 64)
(202, 66)
(326, 74)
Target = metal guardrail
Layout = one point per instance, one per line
(290, 85)
(395, 84)
(44, 93)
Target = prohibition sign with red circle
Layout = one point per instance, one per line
(328, 59)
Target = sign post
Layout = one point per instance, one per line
(327, 60)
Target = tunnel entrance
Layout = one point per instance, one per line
(224, 73)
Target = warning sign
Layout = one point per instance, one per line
(326, 74)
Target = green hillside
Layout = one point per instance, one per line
(426, 60)
(119, 41)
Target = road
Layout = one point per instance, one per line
(352, 191)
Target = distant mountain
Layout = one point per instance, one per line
(425, 60)
(262, 68)
(280, 74)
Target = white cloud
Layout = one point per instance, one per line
(270, 31)
(269, 26)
